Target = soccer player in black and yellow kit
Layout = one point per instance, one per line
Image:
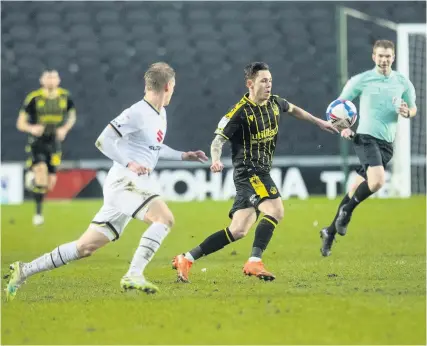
(47, 115)
(251, 126)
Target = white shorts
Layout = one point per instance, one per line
(126, 196)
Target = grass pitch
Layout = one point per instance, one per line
(372, 290)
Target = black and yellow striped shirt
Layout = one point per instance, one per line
(50, 112)
(252, 131)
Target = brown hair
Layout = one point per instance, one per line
(252, 69)
(158, 75)
(383, 44)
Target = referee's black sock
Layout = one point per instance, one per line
(39, 192)
(213, 243)
(362, 192)
(331, 228)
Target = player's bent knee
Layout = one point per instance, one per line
(159, 212)
(91, 240)
(280, 214)
(377, 184)
(169, 220)
(239, 232)
(165, 218)
(86, 249)
(242, 222)
(376, 181)
(376, 178)
(273, 208)
(277, 213)
(40, 174)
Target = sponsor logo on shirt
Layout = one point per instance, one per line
(160, 136)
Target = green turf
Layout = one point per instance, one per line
(370, 291)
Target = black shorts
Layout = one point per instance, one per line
(49, 153)
(371, 152)
(252, 190)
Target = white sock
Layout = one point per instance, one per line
(148, 246)
(63, 254)
(189, 257)
(254, 259)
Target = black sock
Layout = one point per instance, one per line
(39, 201)
(361, 193)
(213, 243)
(331, 228)
(263, 234)
(39, 192)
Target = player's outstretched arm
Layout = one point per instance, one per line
(107, 144)
(300, 113)
(168, 153)
(216, 152)
(197, 155)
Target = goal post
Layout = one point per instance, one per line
(406, 174)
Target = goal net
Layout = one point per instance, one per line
(417, 74)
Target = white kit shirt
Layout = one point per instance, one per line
(144, 130)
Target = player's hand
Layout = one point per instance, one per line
(404, 110)
(194, 156)
(37, 130)
(217, 166)
(326, 126)
(347, 133)
(61, 133)
(137, 168)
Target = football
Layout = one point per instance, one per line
(342, 114)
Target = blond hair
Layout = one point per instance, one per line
(158, 75)
(383, 44)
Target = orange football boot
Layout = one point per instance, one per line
(257, 269)
(182, 266)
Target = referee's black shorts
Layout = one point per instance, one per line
(371, 152)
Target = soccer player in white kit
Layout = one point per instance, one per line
(134, 141)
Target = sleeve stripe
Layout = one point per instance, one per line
(236, 108)
(30, 96)
(115, 129)
(221, 134)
